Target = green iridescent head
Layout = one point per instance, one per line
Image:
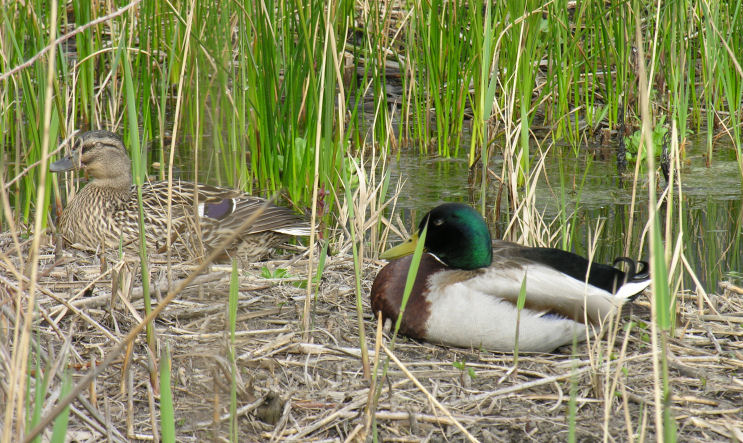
(457, 235)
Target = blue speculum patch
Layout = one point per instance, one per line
(219, 210)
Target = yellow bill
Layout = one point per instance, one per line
(404, 248)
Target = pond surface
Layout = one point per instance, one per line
(711, 219)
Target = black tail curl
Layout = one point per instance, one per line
(633, 272)
(636, 271)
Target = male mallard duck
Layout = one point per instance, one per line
(466, 289)
(105, 213)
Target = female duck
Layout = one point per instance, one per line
(466, 288)
(105, 213)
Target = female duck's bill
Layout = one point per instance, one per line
(467, 287)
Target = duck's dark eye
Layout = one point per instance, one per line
(438, 221)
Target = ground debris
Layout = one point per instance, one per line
(315, 390)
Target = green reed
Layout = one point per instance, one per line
(138, 173)
(247, 89)
(232, 352)
(409, 282)
(440, 47)
(679, 75)
(167, 411)
(663, 302)
(251, 92)
(61, 423)
(35, 398)
(730, 74)
(256, 106)
(528, 41)
(22, 98)
(709, 49)
(376, 31)
(85, 91)
(484, 45)
(559, 69)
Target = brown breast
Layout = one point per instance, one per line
(388, 289)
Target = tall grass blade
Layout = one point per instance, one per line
(520, 302)
(138, 173)
(410, 280)
(232, 316)
(662, 303)
(357, 261)
(61, 423)
(167, 411)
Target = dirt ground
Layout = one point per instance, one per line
(312, 387)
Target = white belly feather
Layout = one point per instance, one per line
(481, 311)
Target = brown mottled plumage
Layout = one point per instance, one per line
(105, 213)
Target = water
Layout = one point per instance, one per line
(711, 222)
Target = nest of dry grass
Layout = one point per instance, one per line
(293, 386)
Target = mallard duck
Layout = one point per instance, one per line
(467, 287)
(105, 212)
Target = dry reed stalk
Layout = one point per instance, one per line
(322, 378)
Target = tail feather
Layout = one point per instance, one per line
(636, 278)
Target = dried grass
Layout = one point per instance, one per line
(315, 390)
